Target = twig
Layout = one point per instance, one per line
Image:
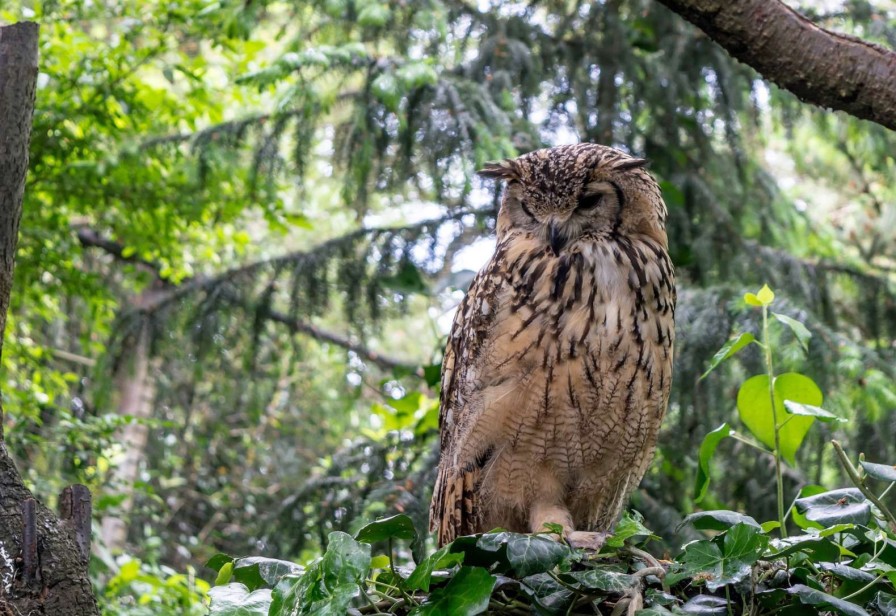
(854, 477)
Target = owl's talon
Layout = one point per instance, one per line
(585, 540)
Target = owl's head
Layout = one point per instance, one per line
(581, 191)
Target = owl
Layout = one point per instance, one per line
(557, 370)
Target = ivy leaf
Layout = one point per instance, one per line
(630, 525)
(707, 449)
(706, 605)
(526, 554)
(810, 596)
(885, 604)
(799, 330)
(421, 577)
(604, 579)
(808, 410)
(755, 409)
(466, 594)
(844, 506)
(330, 583)
(845, 572)
(741, 546)
(219, 560)
(236, 600)
(729, 349)
(396, 527)
(820, 548)
(259, 572)
(549, 596)
(884, 472)
(718, 520)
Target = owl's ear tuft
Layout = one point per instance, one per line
(502, 170)
(632, 163)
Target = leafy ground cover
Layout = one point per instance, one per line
(841, 560)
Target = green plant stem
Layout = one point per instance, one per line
(864, 588)
(747, 441)
(769, 368)
(857, 481)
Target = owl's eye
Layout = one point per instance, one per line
(589, 202)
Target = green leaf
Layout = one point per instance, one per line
(549, 596)
(810, 596)
(236, 600)
(844, 506)
(729, 349)
(526, 554)
(707, 449)
(395, 527)
(225, 573)
(845, 572)
(706, 605)
(259, 572)
(741, 546)
(885, 604)
(629, 525)
(718, 520)
(799, 330)
(808, 410)
(421, 577)
(330, 583)
(604, 580)
(884, 472)
(821, 549)
(432, 374)
(765, 295)
(218, 560)
(466, 594)
(755, 409)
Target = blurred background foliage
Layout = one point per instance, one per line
(247, 225)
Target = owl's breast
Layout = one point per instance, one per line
(579, 356)
(614, 291)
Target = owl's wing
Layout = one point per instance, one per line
(454, 509)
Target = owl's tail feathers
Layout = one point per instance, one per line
(454, 510)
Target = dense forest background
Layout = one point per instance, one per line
(247, 225)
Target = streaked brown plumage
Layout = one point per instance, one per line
(557, 371)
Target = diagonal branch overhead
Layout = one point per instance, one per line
(818, 66)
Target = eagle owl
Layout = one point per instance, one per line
(558, 366)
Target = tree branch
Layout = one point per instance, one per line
(154, 300)
(818, 66)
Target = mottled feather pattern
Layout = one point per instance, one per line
(558, 366)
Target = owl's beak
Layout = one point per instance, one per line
(556, 238)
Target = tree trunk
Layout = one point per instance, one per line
(43, 560)
(136, 393)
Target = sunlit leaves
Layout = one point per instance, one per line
(754, 405)
(764, 297)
